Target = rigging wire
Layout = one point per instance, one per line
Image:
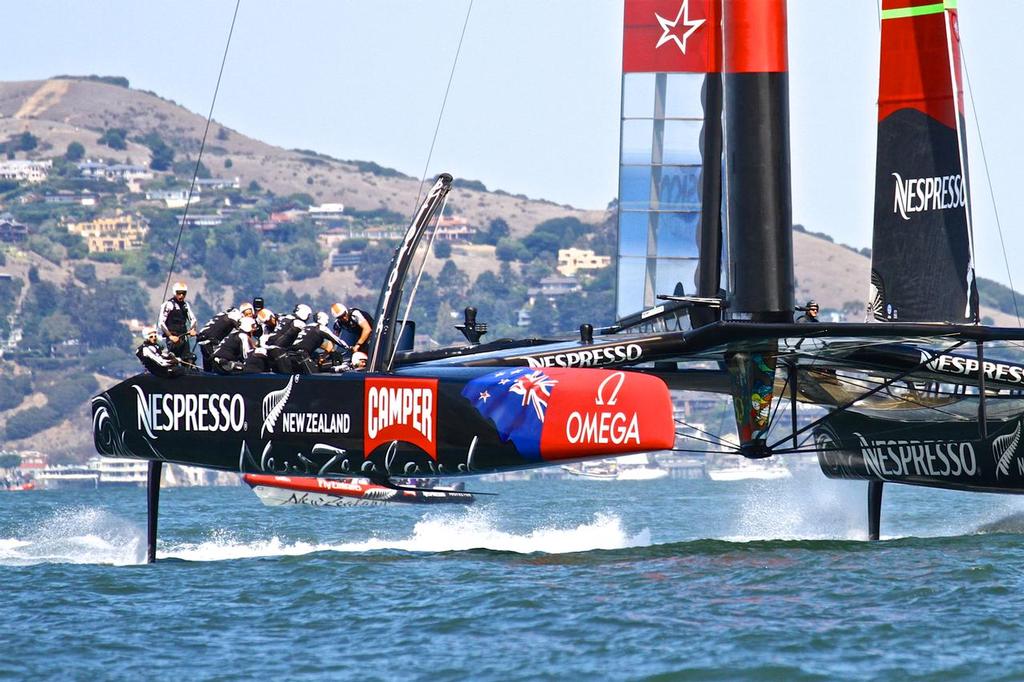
(444, 102)
(202, 146)
(988, 178)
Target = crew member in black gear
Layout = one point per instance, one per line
(231, 354)
(352, 325)
(309, 340)
(214, 331)
(156, 359)
(810, 315)
(269, 357)
(177, 323)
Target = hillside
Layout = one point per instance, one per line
(61, 111)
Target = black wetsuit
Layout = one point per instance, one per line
(231, 354)
(273, 355)
(158, 361)
(212, 334)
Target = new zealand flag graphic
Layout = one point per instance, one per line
(516, 400)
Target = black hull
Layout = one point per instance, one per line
(936, 454)
(379, 426)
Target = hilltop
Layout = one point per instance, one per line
(61, 111)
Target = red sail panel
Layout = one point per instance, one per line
(915, 70)
(672, 36)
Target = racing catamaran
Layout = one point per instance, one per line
(910, 397)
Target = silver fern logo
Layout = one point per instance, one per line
(1004, 450)
(273, 405)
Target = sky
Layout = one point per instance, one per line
(534, 103)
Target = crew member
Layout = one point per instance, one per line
(266, 358)
(177, 323)
(353, 325)
(231, 354)
(358, 361)
(309, 340)
(267, 320)
(155, 358)
(214, 331)
(810, 315)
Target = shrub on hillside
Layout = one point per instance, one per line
(30, 422)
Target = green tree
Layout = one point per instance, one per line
(26, 142)
(543, 317)
(9, 460)
(452, 283)
(228, 163)
(373, 265)
(442, 249)
(497, 230)
(115, 138)
(75, 152)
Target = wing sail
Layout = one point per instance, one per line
(922, 264)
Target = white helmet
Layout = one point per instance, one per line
(246, 309)
(322, 319)
(148, 332)
(265, 314)
(338, 310)
(180, 286)
(247, 325)
(359, 359)
(303, 311)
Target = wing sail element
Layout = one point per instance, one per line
(922, 264)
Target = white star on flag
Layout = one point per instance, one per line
(484, 396)
(668, 26)
(504, 381)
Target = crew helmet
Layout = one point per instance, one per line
(148, 332)
(359, 359)
(180, 288)
(812, 305)
(302, 312)
(247, 325)
(338, 309)
(246, 309)
(265, 314)
(322, 319)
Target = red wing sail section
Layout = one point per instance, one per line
(921, 268)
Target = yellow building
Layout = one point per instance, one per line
(572, 260)
(122, 232)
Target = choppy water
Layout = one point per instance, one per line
(550, 579)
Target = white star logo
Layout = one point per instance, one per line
(669, 26)
(484, 396)
(504, 381)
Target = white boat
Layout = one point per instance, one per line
(626, 468)
(120, 472)
(742, 469)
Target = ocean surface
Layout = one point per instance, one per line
(550, 579)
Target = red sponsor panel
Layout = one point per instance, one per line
(915, 66)
(601, 412)
(755, 36)
(672, 36)
(400, 409)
